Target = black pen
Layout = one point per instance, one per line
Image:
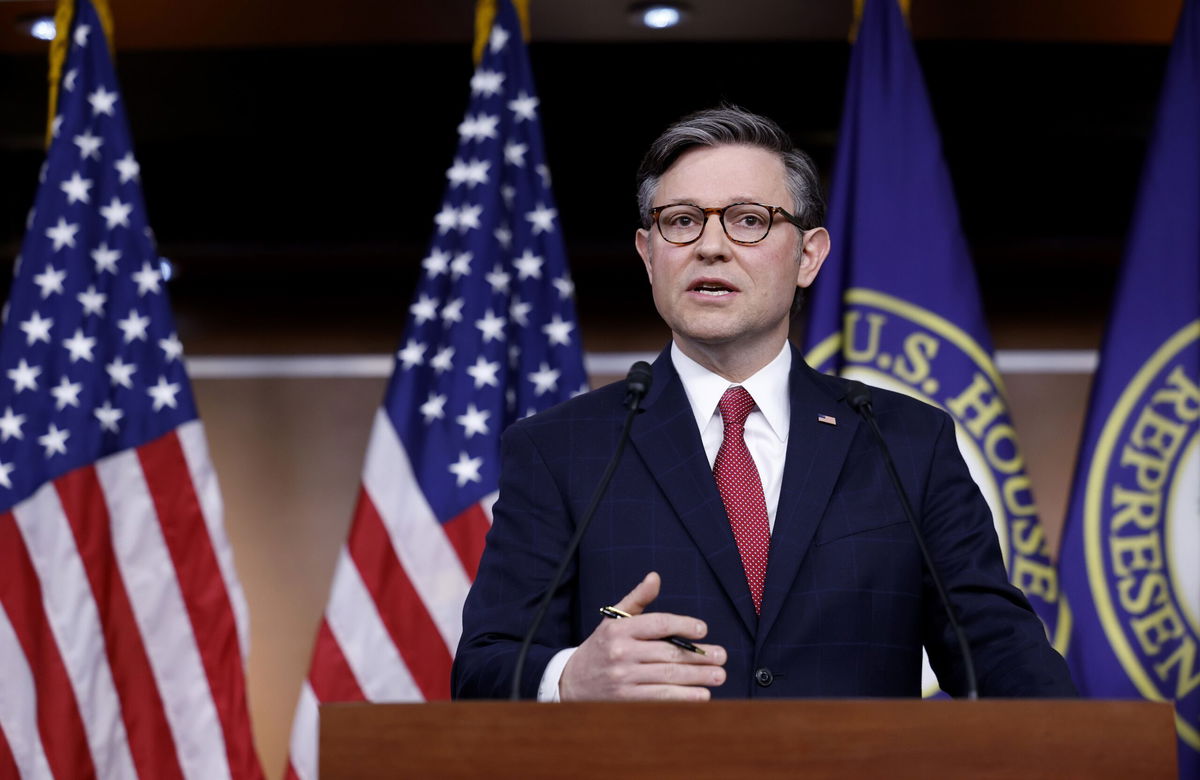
(613, 612)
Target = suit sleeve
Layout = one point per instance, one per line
(1012, 655)
(530, 530)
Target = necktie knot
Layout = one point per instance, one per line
(735, 407)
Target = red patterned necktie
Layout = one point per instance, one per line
(742, 492)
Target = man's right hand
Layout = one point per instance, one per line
(627, 659)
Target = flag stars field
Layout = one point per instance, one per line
(134, 326)
(443, 360)
(438, 261)
(466, 469)
(76, 189)
(473, 421)
(484, 373)
(102, 101)
(62, 234)
(24, 376)
(524, 107)
(51, 280)
(66, 393)
(433, 408)
(413, 354)
(491, 327)
(147, 280)
(10, 425)
(54, 440)
(92, 301)
(116, 213)
(172, 347)
(36, 329)
(105, 258)
(108, 417)
(80, 346)
(163, 393)
(461, 265)
(559, 330)
(424, 310)
(542, 219)
(519, 311)
(120, 373)
(529, 266)
(89, 145)
(487, 83)
(127, 168)
(452, 311)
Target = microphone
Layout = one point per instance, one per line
(859, 398)
(637, 384)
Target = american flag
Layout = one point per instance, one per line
(123, 628)
(490, 338)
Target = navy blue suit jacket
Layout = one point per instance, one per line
(847, 603)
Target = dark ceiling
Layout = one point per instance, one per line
(293, 156)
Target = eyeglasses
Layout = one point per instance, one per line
(743, 223)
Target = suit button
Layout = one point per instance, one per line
(764, 677)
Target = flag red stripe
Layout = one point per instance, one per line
(290, 773)
(331, 677)
(59, 722)
(467, 533)
(211, 615)
(150, 741)
(400, 607)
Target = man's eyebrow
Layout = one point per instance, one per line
(731, 201)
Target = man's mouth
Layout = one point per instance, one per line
(712, 287)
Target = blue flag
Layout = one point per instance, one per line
(897, 303)
(1132, 537)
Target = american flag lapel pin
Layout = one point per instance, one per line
(828, 419)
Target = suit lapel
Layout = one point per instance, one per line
(667, 440)
(816, 451)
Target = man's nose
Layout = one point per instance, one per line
(713, 244)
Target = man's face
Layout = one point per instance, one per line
(720, 298)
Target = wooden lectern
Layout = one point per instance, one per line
(750, 739)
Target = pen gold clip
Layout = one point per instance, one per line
(613, 612)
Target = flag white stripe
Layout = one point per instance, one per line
(75, 622)
(18, 705)
(488, 502)
(305, 728)
(431, 562)
(208, 491)
(364, 640)
(162, 617)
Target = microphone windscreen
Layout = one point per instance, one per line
(639, 378)
(858, 395)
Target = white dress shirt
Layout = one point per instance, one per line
(766, 435)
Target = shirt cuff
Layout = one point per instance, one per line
(548, 688)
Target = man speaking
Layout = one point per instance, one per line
(751, 522)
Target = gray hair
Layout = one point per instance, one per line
(732, 125)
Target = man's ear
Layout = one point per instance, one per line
(812, 255)
(642, 241)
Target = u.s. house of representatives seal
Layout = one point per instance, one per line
(891, 343)
(1142, 527)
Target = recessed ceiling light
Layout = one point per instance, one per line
(41, 27)
(658, 16)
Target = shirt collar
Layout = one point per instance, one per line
(768, 386)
